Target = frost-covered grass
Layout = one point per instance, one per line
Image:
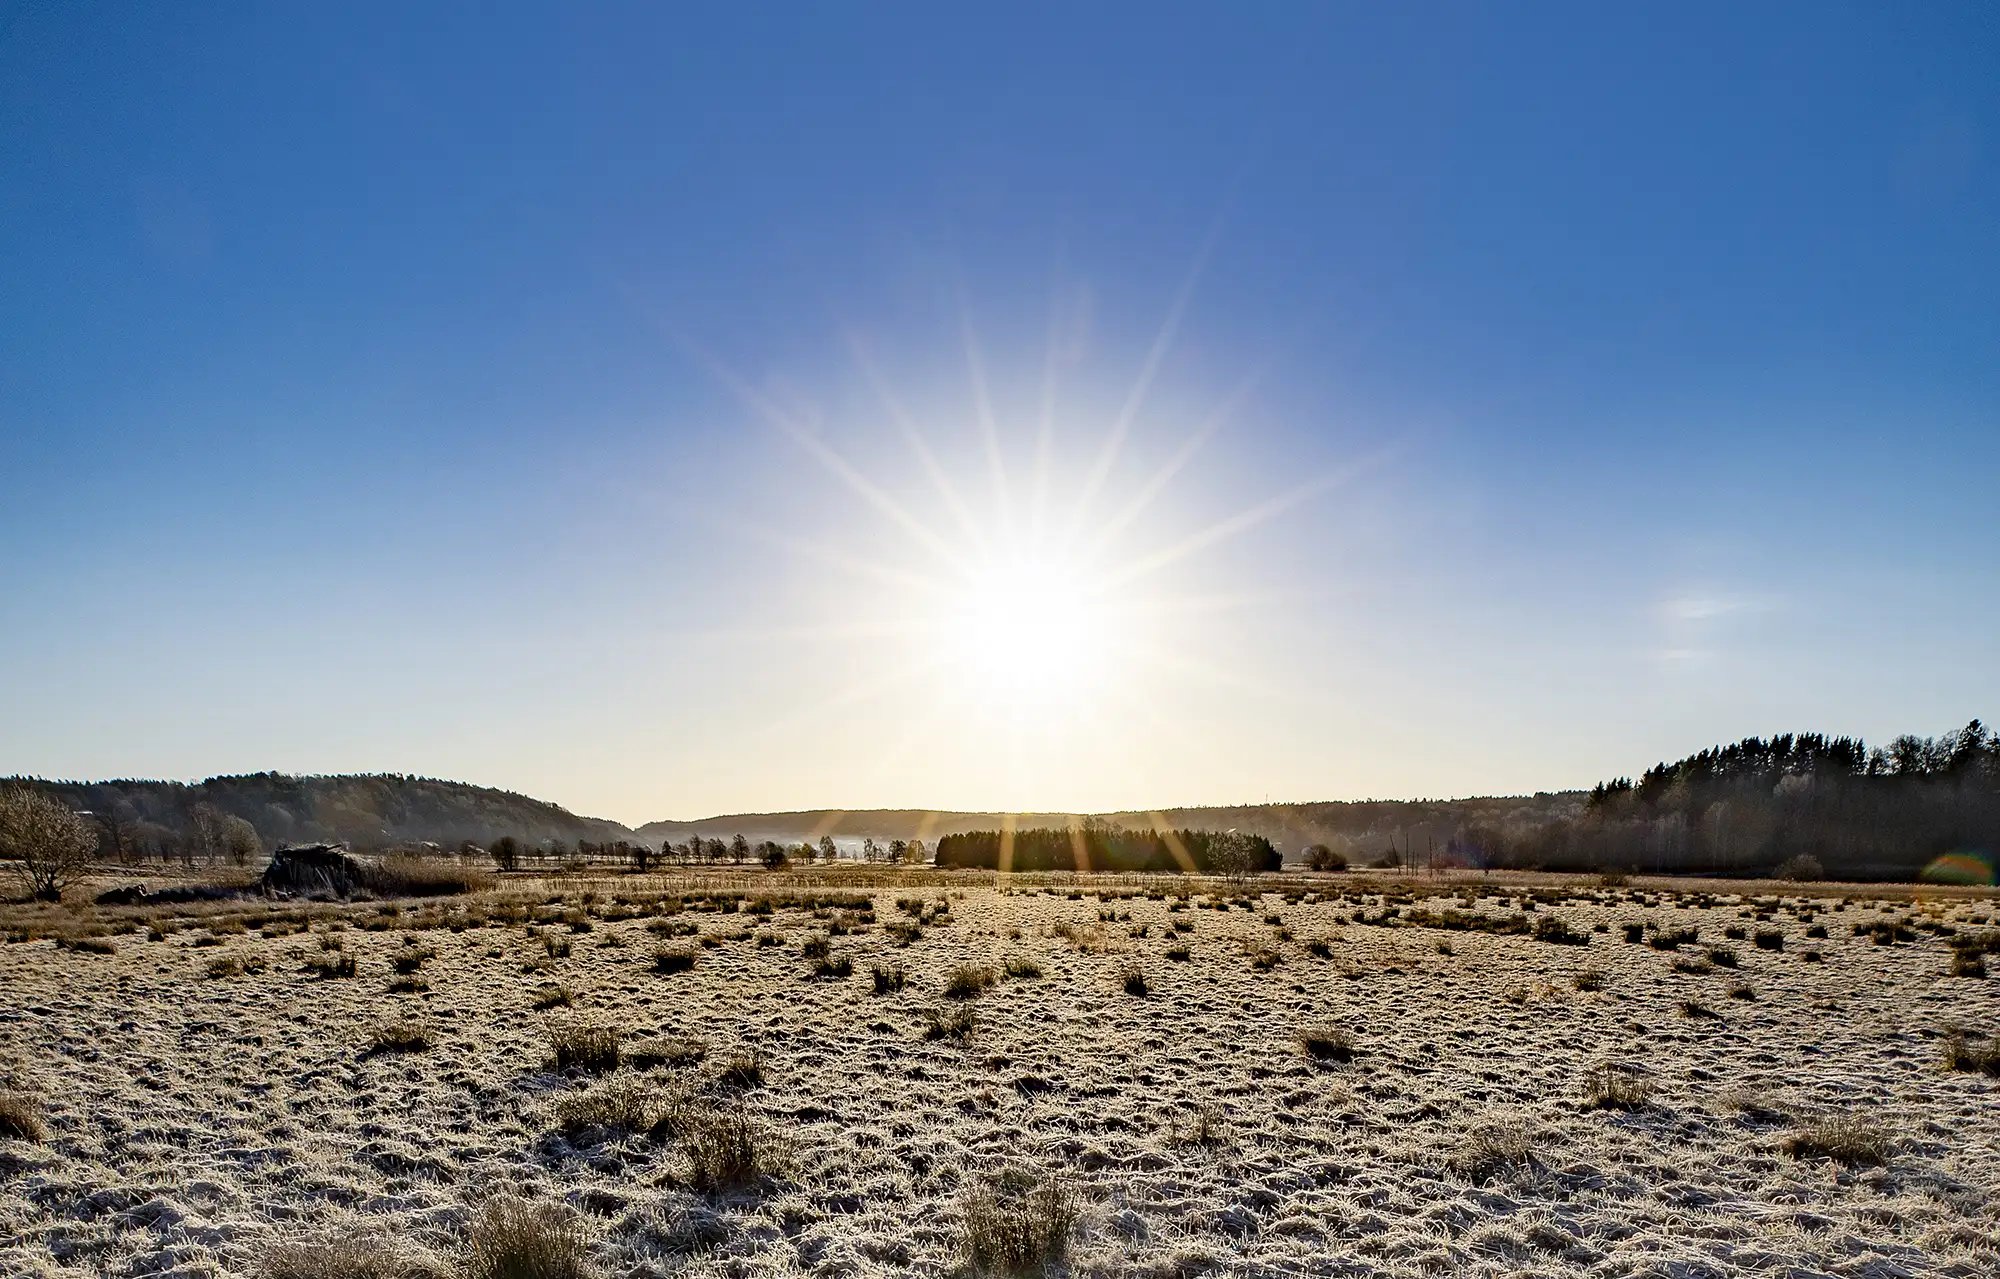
(968, 1080)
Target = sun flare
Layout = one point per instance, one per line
(1031, 626)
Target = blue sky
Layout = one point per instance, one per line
(477, 394)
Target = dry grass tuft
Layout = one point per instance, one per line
(673, 959)
(1327, 1043)
(619, 1104)
(399, 1036)
(967, 980)
(1964, 1052)
(1019, 1224)
(352, 1256)
(888, 978)
(514, 1239)
(743, 1069)
(1491, 1149)
(21, 1117)
(1615, 1087)
(1133, 979)
(1850, 1139)
(728, 1150)
(950, 1023)
(584, 1045)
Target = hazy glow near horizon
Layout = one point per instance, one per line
(963, 408)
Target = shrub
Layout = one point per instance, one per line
(1634, 933)
(399, 1036)
(673, 959)
(967, 980)
(1722, 956)
(1327, 1043)
(1021, 966)
(1696, 1009)
(514, 1239)
(1802, 868)
(1018, 1223)
(21, 1117)
(888, 977)
(1849, 1139)
(1264, 959)
(1769, 939)
(1589, 979)
(1614, 1087)
(1967, 963)
(1673, 940)
(554, 995)
(51, 845)
(1179, 953)
(584, 1045)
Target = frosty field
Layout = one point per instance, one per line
(854, 1075)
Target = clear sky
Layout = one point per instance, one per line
(671, 410)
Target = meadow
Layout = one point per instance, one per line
(858, 1073)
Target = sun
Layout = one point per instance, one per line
(1031, 626)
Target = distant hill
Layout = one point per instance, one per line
(366, 811)
(1362, 829)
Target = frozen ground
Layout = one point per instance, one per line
(198, 1124)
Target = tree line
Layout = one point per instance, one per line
(1099, 846)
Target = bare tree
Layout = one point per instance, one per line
(205, 827)
(50, 844)
(119, 841)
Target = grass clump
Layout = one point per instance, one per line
(956, 1024)
(1964, 1052)
(1022, 967)
(1133, 979)
(1557, 931)
(330, 964)
(967, 981)
(1491, 1149)
(743, 1069)
(833, 966)
(671, 1051)
(352, 1256)
(554, 995)
(620, 1104)
(1327, 1043)
(514, 1239)
(1018, 1224)
(1615, 1087)
(21, 1117)
(888, 978)
(584, 1045)
(400, 1036)
(673, 959)
(726, 1149)
(1848, 1139)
